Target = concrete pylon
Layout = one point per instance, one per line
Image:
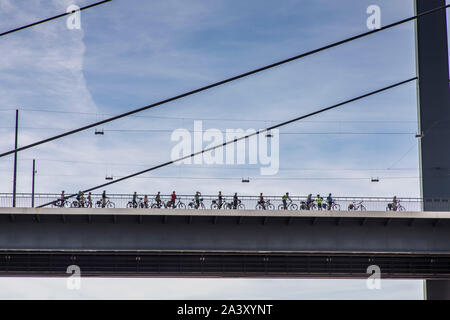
(434, 119)
(433, 104)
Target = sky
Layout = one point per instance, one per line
(129, 54)
(114, 64)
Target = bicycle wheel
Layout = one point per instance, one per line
(401, 208)
(362, 208)
(110, 205)
(281, 207)
(214, 206)
(202, 206)
(130, 205)
(270, 207)
(181, 205)
(336, 207)
(259, 207)
(73, 205)
(293, 206)
(241, 206)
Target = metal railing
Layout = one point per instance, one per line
(245, 202)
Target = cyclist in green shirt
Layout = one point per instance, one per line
(319, 202)
(284, 199)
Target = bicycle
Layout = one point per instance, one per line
(289, 206)
(108, 204)
(216, 204)
(178, 205)
(392, 207)
(158, 204)
(334, 206)
(193, 204)
(266, 205)
(354, 206)
(62, 203)
(78, 204)
(136, 204)
(303, 205)
(230, 205)
(88, 203)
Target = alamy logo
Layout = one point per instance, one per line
(374, 20)
(262, 149)
(374, 280)
(74, 280)
(73, 20)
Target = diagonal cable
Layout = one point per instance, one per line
(241, 138)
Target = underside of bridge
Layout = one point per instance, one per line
(208, 243)
(223, 264)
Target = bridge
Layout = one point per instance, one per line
(412, 244)
(209, 243)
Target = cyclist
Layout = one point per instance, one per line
(309, 202)
(62, 199)
(173, 198)
(220, 199)
(261, 201)
(158, 199)
(104, 197)
(394, 205)
(89, 200)
(319, 202)
(197, 200)
(135, 200)
(235, 201)
(285, 198)
(78, 197)
(146, 201)
(82, 199)
(329, 201)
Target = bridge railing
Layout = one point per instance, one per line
(247, 202)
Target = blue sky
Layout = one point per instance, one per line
(131, 53)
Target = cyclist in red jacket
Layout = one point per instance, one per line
(173, 198)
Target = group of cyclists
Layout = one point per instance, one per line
(311, 203)
(83, 202)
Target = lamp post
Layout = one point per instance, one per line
(15, 160)
(32, 183)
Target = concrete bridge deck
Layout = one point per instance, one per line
(203, 243)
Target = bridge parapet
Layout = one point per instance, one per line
(248, 202)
